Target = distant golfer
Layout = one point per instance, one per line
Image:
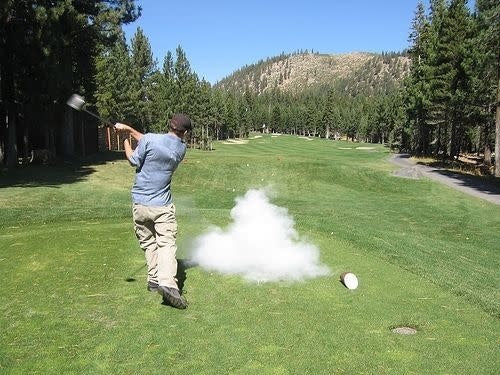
(156, 158)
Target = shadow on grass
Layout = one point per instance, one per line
(182, 266)
(61, 173)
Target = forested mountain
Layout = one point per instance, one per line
(352, 73)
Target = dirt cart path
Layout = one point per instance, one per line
(486, 189)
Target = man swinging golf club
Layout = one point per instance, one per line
(156, 157)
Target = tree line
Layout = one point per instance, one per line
(452, 94)
(446, 105)
(48, 51)
(131, 87)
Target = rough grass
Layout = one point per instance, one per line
(425, 255)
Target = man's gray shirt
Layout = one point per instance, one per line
(155, 158)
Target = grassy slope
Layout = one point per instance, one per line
(425, 255)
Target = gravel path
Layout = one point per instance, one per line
(478, 187)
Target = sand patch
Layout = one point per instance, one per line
(235, 142)
(256, 136)
(345, 148)
(365, 148)
(410, 172)
(306, 138)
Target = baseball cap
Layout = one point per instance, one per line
(180, 122)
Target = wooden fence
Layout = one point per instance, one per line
(111, 140)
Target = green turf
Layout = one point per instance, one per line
(426, 256)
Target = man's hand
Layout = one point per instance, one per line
(129, 130)
(122, 127)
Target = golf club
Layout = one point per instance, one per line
(77, 102)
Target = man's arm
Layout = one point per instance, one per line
(134, 156)
(125, 128)
(128, 148)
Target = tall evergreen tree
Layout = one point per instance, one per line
(55, 44)
(142, 68)
(231, 116)
(329, 116)
(483, 66)
(417, 84)
(218, 106)
(186, 82)
(114, 79)
(458, 32)
(441, 73)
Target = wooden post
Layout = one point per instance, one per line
(109, 139)
(118, 141)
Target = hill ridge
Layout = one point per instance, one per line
(355, 72)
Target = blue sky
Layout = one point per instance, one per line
(221, 36)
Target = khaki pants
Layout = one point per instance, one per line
(156, 230)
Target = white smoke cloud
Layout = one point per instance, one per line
(260, 244)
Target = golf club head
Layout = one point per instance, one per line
(76, 101)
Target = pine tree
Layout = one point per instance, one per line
(167, 97)
(217, 103)
(204, 115)
(483, 66)
(441, 74)
(48, 51)
(114, 84)
(185, 83)
(275, 121)
(329, 115)
(231, 116)
(142, 68)
(458, 32)
(417, 84)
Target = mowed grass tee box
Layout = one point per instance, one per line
(74, 296)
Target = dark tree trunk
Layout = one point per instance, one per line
(2, 137)
(10, 113)
(487, 154)
(11, 135)
(438, 142)
(478, 143)
(497, 133)
(7, 96)
(451, 149)
(3, 127)
(67, 133)
(26, 140)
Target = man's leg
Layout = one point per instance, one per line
(144, 231)
(166, 234)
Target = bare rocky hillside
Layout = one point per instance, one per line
(356, 72)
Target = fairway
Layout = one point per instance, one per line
(74, 299)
